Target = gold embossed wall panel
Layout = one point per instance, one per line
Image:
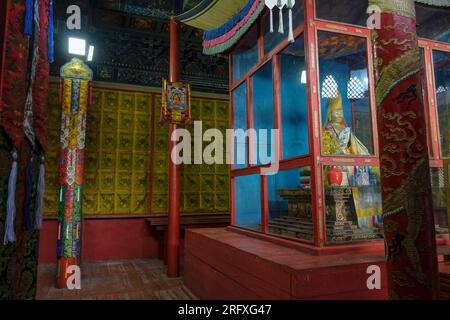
(117, 153)
(53, 153)
(204, 188)
(160, 178)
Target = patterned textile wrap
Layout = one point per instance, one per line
(237, 25)
(18, 260)
(223, 38)
(41, 83)
(76, 77)
(12, 101)
(230, 24)
(14, 71)
(40, 106)
(407, 200)
(50, 34)
(7, 253)
(37, 97)
(28, 126)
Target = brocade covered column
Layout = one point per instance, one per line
(405, 173)
(76, 77)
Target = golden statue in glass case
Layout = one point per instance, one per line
(337, 136)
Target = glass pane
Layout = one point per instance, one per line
(247, 202)
(441, 62)
(272, 39)
(433, 22)
(290, 212)
(345, 11)
(353, 208)
(263, 116)
(294, 114)
(345, 98)
(439, 200)
(240, 122)
(245, 55)
(425, 98)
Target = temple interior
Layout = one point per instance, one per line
(224, 149)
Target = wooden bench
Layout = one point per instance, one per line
(159, 223)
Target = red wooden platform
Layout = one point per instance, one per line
(221, 264)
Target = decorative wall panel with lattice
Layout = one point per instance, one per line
(204, 188)
(118, 151)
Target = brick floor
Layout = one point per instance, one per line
(143, 279)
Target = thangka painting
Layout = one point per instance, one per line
(176, 102)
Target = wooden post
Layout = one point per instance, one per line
(405, 173)
(173, 241)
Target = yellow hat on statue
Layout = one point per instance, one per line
(334, 104)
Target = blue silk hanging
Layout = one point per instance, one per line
(29, 196)
(51, 44)
(29, 8)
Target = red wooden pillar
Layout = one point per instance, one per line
(314, 125)
(405, 173)
(173, 241)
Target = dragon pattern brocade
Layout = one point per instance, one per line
(407, 204)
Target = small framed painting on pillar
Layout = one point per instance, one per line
(176, 102)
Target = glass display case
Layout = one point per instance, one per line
(317, 92)
(248, 213)
(353, 208)
(433, 26)
(245, 55)
(345, 96)
(440, 200)
(289, 197)
(293, 107)
(441, 64)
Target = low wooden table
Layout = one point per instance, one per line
(159, 224)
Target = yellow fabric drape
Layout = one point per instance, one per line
(215, 15)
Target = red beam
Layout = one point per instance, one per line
(264, 204)
(314, 126)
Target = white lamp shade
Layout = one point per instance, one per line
(77, 46)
